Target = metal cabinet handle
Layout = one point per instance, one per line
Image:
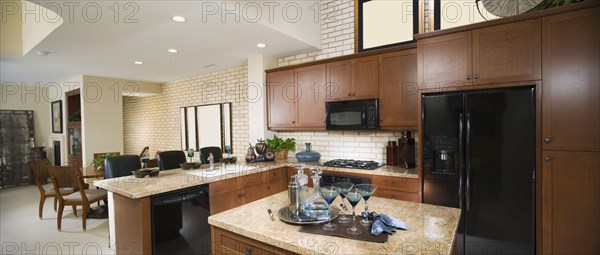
(248, 250)
(468, 77)
(547, 140)
(354, 93)
(349, 94)
(476, 76)
(547, 159)
(393, 183)
(394, 197)
(293, 122)
(239, 195)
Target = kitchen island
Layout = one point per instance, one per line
(250, 229)
(130, 198)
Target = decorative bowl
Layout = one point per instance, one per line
(229, 160)
(190, 165)
(145, 172)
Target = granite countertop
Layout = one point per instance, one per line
(175, 179)
(432, 228)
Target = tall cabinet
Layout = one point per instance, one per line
(571, 133)
(75, 143)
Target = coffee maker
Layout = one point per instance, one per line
(445, 152)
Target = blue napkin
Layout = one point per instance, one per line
(385, 223)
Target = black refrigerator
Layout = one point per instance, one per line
(479, 155)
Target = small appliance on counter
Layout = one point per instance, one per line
(350, 163)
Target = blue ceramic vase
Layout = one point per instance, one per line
(308, 155)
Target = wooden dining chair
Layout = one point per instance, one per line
(39, 169)
(84, 198)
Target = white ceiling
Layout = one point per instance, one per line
(108, 48)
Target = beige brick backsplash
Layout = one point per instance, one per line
(154, 121)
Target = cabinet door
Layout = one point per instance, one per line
(571, 89)
(365, 77)
(253, 193)
(225, 201)
(507, 53)
(338, 80)
(310, 105)
(445, 61)
(398, 89)
(281, 91)
(570, 202)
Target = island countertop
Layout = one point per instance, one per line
(432, 229)
(175, 179)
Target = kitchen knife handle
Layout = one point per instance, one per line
(468, 159)
(460, 164)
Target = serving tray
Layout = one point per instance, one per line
(285, 216)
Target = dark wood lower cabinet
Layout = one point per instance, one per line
(225, 242)
(570, 202)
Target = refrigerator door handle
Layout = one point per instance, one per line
(460, 161)
(468, 163)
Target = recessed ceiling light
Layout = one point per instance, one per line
(178, 19)
(172, 50)
(138, 62)
(261, 45)
(42, 52)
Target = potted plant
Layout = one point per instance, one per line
(98, 162)
(281, 147)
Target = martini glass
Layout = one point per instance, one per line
(366, 190)
(329, 193)
(343, 188)
(354, 197)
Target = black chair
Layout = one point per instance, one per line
(205, 152)
(118, 166)
(170, 159)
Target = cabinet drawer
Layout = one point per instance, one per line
(225, 242)
(277, 174)
(398, 195)
(397, 183)
(253, 179)
(224, 186)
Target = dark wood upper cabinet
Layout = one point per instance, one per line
(353, 79)
(497, 54)
(398, 90)
(445, 61)
(365, 77)
(310, 107)
(281, 96)
(570, 202)
(507, 53)
(338, 80)
(571, 88)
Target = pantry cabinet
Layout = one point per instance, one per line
(496, 54)
(571, 81)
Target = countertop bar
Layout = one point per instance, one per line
(175, 179)
(432, 228)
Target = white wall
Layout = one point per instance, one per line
(257, 94)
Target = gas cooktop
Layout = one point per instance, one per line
(351, 163)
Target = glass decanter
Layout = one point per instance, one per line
(314, 207)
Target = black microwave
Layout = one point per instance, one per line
(353, 115)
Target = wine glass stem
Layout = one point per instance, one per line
(353, 218)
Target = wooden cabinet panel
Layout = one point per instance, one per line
(571, 89)
(281, 95)
(570, 202)
(224, 201)
(507, 53)
(225, 242)
(399, 195)
(310, 106)
(398, 89)
(338, 80)
(396, 183)
(253, 193)
(445, 61)
(365, 78)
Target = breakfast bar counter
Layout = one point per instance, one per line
(432, 230)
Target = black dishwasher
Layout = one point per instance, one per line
(180, 222)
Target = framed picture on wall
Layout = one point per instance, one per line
(57, 125)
